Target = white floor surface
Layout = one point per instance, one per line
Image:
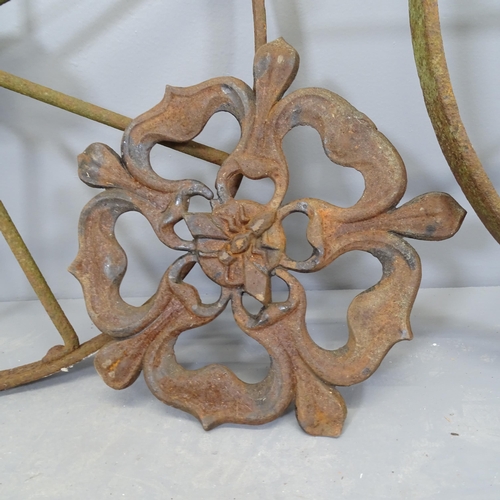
(426, 425)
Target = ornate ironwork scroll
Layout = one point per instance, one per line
(241, 244)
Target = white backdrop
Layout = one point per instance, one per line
(121, 53)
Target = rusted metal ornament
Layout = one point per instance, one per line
(241, 244)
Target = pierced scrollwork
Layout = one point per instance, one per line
(241, 244)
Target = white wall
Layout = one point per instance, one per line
(121, 53)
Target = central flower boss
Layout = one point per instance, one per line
(241, 244)
(238, 246)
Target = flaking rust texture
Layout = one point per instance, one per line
(241, 244)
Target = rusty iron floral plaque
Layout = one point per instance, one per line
(241, 244)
